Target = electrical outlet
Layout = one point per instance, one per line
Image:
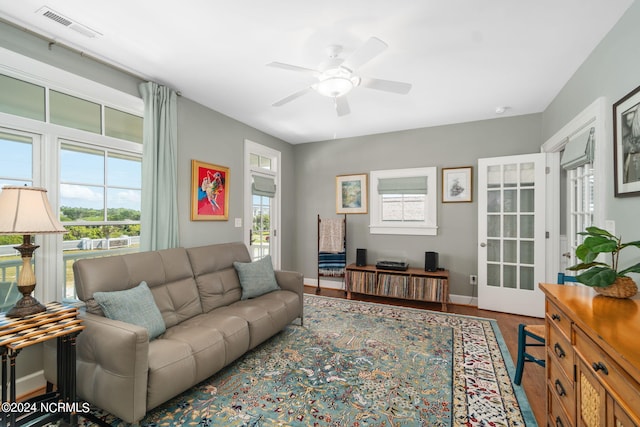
(473, 280)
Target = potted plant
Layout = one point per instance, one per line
(606, 279)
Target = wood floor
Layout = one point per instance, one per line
(533, 380)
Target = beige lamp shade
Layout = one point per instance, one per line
(26, 210)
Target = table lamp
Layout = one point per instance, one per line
(26, 211)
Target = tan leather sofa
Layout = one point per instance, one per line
(208, 326)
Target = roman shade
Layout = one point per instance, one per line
(404, 185)
(263, 186)
(579, 150)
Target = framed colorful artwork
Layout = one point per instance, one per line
(351, 194)
(457, 184)
(209, 192)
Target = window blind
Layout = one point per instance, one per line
(405, 185)
(263, 186)
(579, 150)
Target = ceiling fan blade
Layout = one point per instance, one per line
(369, 50)
(290, 67)
(386, 85)
(291, 97)
(342, 106)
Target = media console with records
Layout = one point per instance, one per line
(400, 281)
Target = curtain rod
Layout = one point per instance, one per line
(78, 52)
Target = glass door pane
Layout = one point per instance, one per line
(261, 227)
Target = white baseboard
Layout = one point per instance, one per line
(324, 283)
(335, 284)
(464, 300)
(29, 383)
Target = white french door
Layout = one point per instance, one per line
(511, 234)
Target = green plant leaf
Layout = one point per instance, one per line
(632, 269)
(585, 265)
(599, 244)
(585, 253)
(595, 231)
(636, 244)
(597, 277)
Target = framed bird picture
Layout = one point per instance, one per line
(209, 192)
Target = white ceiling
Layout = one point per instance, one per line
(463, 57)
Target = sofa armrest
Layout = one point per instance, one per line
(114, 355)
(292, 281)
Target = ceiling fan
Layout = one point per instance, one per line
(337, 77)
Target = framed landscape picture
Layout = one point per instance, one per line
(209, 192)
(457, 184)
(626, 144)
(351, 194)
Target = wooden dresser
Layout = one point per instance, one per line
(593, 358)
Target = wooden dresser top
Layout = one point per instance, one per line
(613, 323)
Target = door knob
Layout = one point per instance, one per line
(483, 244)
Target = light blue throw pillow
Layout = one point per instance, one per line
(135, 306)
(256, 278)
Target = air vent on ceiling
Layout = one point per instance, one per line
(69, 23)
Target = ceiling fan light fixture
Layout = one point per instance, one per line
(336, 82)
(334, 87)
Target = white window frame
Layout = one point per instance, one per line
(49, 264)
(428, 227)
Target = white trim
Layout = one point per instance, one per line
(402, 229)
(324, 283)
(33, 71)
(552, 217)
(46, 170)
(30, 382)
(596, 114)
(429, 227)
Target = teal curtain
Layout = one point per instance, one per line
(159, 216)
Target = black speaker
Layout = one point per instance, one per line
(431, 261)
(361, 257)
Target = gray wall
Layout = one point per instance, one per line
(208, 136)
(203, 134)
(445, 146)
(612, 71)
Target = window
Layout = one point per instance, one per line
(403, 201)
(262, 201)
(100, 203)
(21, 98)
(88, 155)
(16, 160)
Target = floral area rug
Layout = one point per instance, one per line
(360, 364)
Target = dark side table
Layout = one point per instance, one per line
(62, 323)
